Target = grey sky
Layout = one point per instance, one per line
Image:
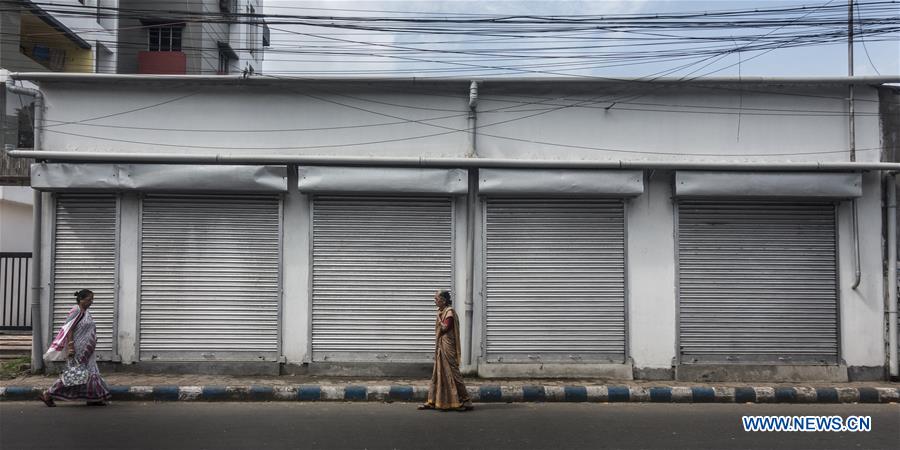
(300, 50)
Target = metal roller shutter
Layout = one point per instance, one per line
(210, 284)
(555, 280)
(757, 281)
(376, 265)
(84, 257)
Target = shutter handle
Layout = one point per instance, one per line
(576, 357)
(534, 357)
(381, 356)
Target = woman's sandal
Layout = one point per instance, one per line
(47, 399)
(425, 406)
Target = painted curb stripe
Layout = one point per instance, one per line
(401, 394)
(165, 393)
(576, 393)
(744, 395)
(355, 393)
(785, 395)
(309, 393)
(533, 393)
(213, 393)
(262, 393)
(618, 394)
(119, 392)
(868, 395)
(21, 393)
(826, 395)
(490, 393)
(703, 395)
(661, 395)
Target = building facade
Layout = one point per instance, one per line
(59, 36)
(207, 37)
(622, 229)
(47, 36)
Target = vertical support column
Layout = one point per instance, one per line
(296, 307)
(651, 273)
(892, 274)
(861, 310)
(462, 300)
(471, 202)
(42, 271)
(37, 346)
(127, 301)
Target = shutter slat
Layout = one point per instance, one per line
(85, 258)
(555, 279)
(210, 275)
(757, 281)
(376, 264)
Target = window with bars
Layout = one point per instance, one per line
(164, 39)
(224, 62)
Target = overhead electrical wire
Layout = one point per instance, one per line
(516, 25)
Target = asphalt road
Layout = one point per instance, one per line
(376, 425)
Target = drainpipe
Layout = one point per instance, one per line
(425, 161)
(37, 346)
(892, 273)
(471, 204)
(473, 120)
(852, 133)
(858, 272)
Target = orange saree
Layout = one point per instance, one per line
(447, 390)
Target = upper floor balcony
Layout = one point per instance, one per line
(162, 63)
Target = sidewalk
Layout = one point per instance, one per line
(152, 387)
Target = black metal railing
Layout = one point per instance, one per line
(15, 276)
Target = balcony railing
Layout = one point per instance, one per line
(162, 63)
(15, 304)
(14, 171)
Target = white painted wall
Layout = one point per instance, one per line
(862, 310)
(650, 220)
(651, 257)
(411, 119)
(16, 229)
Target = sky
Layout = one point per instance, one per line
(309, 51)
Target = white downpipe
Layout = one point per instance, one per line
(892, 274)
(856, 257)
(471, 204)
(37, 345)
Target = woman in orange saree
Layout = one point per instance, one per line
(447, 390)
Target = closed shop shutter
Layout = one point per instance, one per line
(555, 280)
(757, 281)
(84, 257)
(377, 262)
(210, 285)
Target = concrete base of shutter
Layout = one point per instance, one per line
(774, 373)
(550, 370)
